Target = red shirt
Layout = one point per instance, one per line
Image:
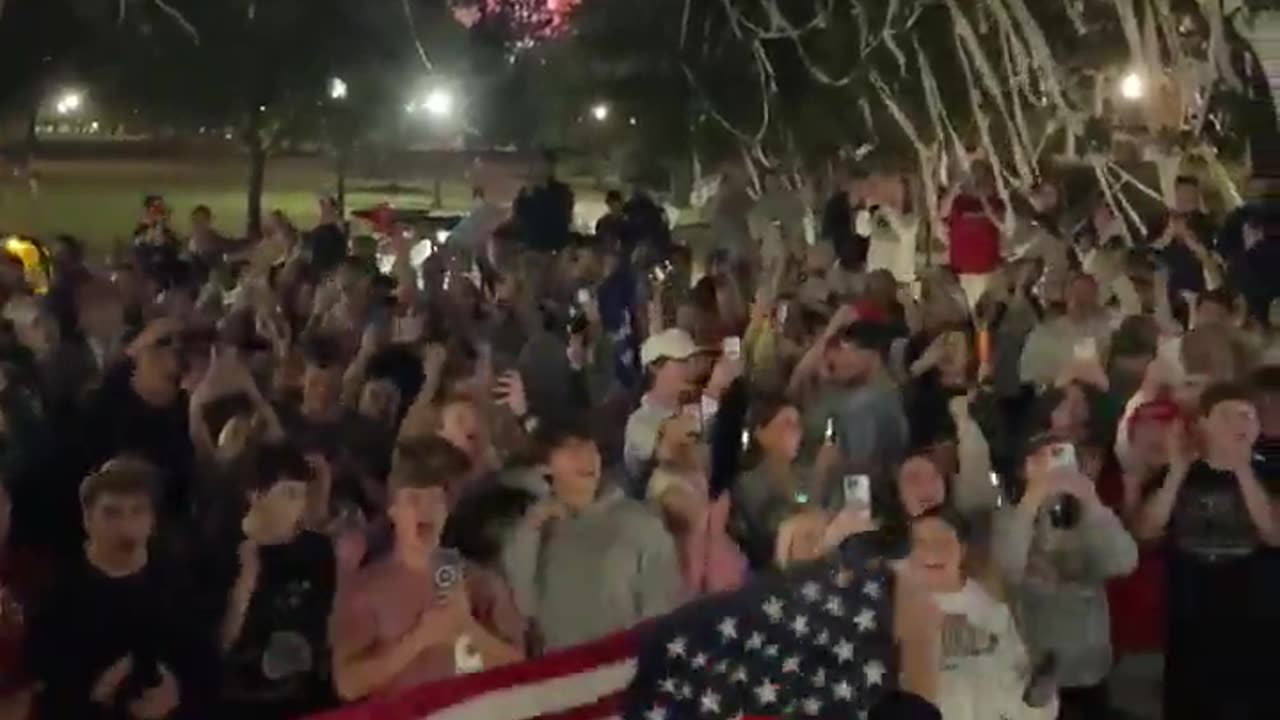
(1136, 601)
(974, 237)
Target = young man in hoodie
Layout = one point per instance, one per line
(588, 561)
(1056, 549)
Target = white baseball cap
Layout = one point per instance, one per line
(673, 344)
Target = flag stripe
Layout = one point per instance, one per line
(571, 697)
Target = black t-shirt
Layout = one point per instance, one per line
(119, 422)
(89, 620)
(279, 664)
(1210, 521)
(328, 246)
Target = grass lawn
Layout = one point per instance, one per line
(100, 200)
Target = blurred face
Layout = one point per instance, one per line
(936, 554)
(102, 318)
(380, 400)
(849, 364)
(201, 221)
(1186, 198)
(158, 365)
(460, 425)
(920, 486)
(40, 335)
(1149, 443)
(276, 512)
(119, 525)
(321, 389)
(780, 437)
(1268, 403)
(1082, 294)
(1213, 313)
(678, 442)
(671, 377)
(1045, 198)
(418, 515)
(575, 472)
(1071, 416)
(1230, 425)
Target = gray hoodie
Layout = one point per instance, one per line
(1057, 581)
(600, 571)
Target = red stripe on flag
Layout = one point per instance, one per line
(423, 701)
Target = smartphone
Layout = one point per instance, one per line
(732, 348)
(829, 435)
(781, 313)
(1062, 458)
(584, 297)
(857, 493)
(448, 570)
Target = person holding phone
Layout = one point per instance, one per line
(1056, 549)
(402, 620)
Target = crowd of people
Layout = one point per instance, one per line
(263, 479)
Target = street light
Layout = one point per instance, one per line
(69, 102)
(1132, 86)
(337, 89)
(439, 103)
(600, 111)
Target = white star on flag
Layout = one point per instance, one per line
(677, 648)
(755, 642)
(874, 672)
(668, 686)
(709, 702)
(791, 665)
(728, 629)
(844, 651)
(699, 661)
(872, 589)
(766, 692)
(842, 690)
(823, 638)
(865, 620)
(657, 713)
(800, 625)
(773, 609)
(812, 706)
(819, 677)
(739, 676)
(811, 591)
(834, 607)
(771, 651)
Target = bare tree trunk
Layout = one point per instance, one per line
(257, 180)
(341, 171)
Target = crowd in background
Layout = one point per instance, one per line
(263, 479)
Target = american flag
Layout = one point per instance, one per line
(816, 642)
